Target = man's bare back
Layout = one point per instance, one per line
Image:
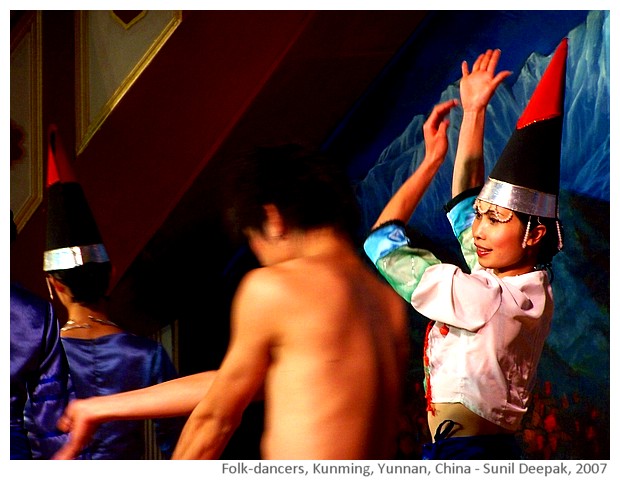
(339, 349)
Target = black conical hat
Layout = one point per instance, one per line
(73, 238)
(526, 178)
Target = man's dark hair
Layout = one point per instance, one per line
(308, 188)
(88, 283)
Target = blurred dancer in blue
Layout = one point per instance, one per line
(39, 374)
(103, 358)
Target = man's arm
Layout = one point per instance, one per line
(476, 90)
(402, 205)
(176, 397)
(242, 373)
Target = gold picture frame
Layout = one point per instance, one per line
(26, 178)
(110, 56)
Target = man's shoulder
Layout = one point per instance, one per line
(266, 283)
(296, 281)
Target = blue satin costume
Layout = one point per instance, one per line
(39, 376)
(117, 363)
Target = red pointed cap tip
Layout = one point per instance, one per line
(548, 99)
(52, 169)
(58, 168)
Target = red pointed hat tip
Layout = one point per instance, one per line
(52, 169)
(548, 99)
(58, 168)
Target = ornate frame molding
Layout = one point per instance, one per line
(87, 122)
(26, 111)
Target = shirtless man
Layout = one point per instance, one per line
(314, 331)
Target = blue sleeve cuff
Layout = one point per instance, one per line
(384, 240)
(461, 215)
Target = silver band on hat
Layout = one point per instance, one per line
(521, 199)
(71, 257)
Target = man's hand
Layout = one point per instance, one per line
(80, 422)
